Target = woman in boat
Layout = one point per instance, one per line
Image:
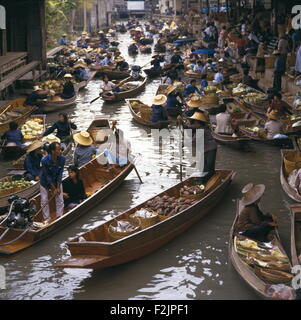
(156, 62)
(63, 126)
(84, 151)
(68, 90)
(159, 113)
(252, 222)
(173, 105)
(223, 121)
(280, 106)
(73, 189)
(121, 65)
(106, 85)
(274, 125)
(133, 48)
(13, 136)
(204, 82)
(191, 89)
(34, 97)
(32, 162)
(80, 73)
(194, 103)
(51, 180)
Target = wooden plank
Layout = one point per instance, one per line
(51, 53)
(11, 56)
(28, 76)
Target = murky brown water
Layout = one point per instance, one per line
(193, 266)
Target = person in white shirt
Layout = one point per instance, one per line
(198, 68)
(219, 77)
(223, 121)
(106, 85)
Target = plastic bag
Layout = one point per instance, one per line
(281, 291)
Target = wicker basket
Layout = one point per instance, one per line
(292, 161)
(115, 235)
(146, 222)
(273, 276)
(270, 62)
(145, 112)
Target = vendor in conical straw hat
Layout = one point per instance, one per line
(194, 104)
(274, 125)
(84, 151)
(252, 222)
(158, 111)
(173, 104)
(51, 138)
(32, 162)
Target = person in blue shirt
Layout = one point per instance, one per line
(133, 48)
(63, 41)
(63, 128)
(121, 65)
(13, 135)
(51, 180)
(159, 113)
(32, 162)
(204, 82)
(156, 62)
(33, 98)
(80, 73)
(176, 58)
(173, 105)
(191, 88)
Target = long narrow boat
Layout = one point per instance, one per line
(118, 96)
(99, 181)
(98, 250)
(287, 188)
(295, 215)
(14, 111)
(246, 272)
(111, 73)
(153, 73)
(135, 109)
(81, 85)
(230, 140)
(145, 49)
(56, 105)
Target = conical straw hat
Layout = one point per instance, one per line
(251, 193)
(159, 100)
(83, 138)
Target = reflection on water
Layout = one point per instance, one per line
(193, 266)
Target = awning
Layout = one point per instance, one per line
(204, 51)
(184, 40)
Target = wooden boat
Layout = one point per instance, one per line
(56, 105)
(295, 215)
(149, 40)
(153, 73)
(118, 96)
(99, 181)
(135, 109)
(81, 85)
(110, 72)
(133, 51)
(229, 140)
(99, 251)
(287, 188)
(100, 130)
(246, 272)
(16, 106)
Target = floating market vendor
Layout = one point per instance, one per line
(156, 62)
(80, 73)
(173, 105)
(191, 88)
(204, 82)
(63, 126)
(198, 68)
(133, 47)
(68, 90)
(273, 126)
(13, 136)
(121, 65)
(252, 222)
(280, 106)
(106, 85)
(84, 151)
(34, 97)
(159, 113)
(223, 121)
(73, 189)
(101, 35)
(107, 61)
(194, 103)
(51, 180)
(63, 41)
(32, 162)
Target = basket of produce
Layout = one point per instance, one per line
(292, 161)
(269, 61)
(273, 276)
(145, 112)
(192, 192)
(210, 89)
(32, 128)
(8, 186)
(119, 229)
(147, 218)
(239, 91)
(168, 206)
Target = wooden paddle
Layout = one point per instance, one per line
(5, 110)
(120, 84)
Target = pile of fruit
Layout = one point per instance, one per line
(192, 190)
(51, 85)
(32, 128)
(168, 206)
(210, 89)
(253, 129)
(8, 187)
(254, 97)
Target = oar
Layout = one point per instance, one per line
(5, 110)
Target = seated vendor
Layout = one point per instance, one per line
(274, 125)
(84, 151)
(159, 113)
(279, 105)
(13, 136)
(73, 189)
(191, 88)
(68, 90)
(173, 105)
(32, 162)
(34, 97)
(252, 222)
(223, 121)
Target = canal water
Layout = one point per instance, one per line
(195, 265)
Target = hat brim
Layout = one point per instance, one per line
(259, 191)
(35, 146)
(82, 141)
